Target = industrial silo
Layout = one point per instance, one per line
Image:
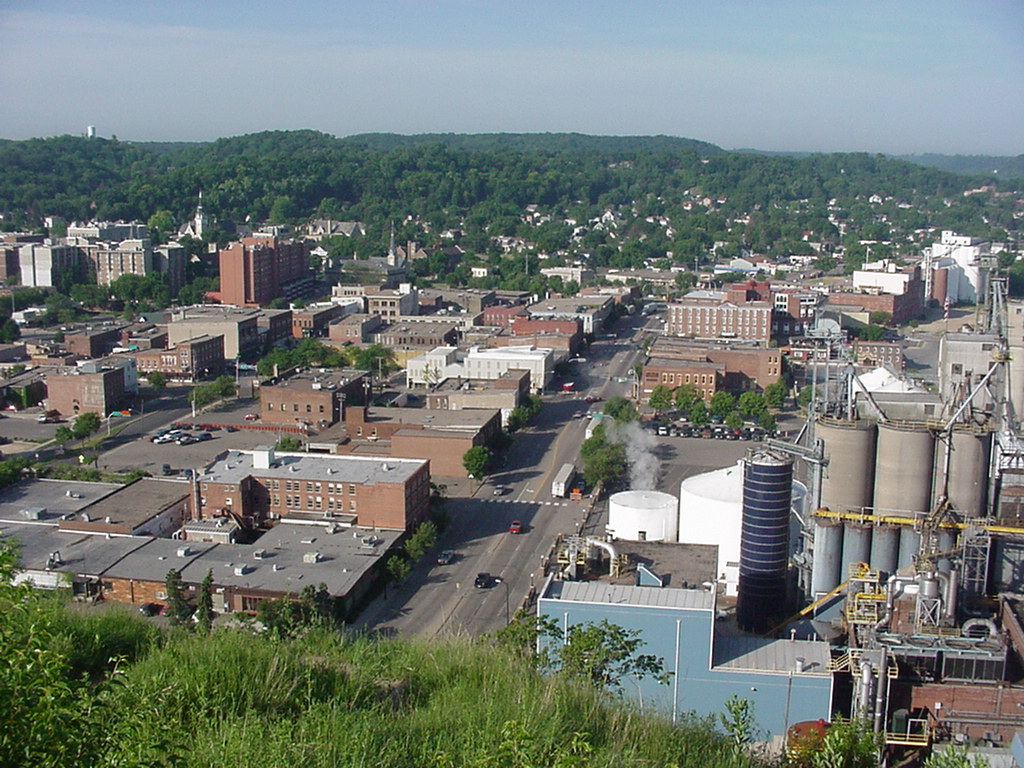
(968, 470)
(711, 512)
(826, 572)
(885, 548)
(643, 516)
(856, 546)
(902, 479)
(849, 478)
(910, 546)
(764, 540)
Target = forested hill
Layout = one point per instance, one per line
(538, 142)
(989, 165)
(479, 182)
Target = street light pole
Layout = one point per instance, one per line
(508, 618)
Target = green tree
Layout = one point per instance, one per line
(476, 461)
(157, 379)
(661, 398)
(846, 744)
(751, 404)
(722, 403)
(687, 396)
(872, 333)
(9, 331)
(604, 653)
(85, 425)
(775, 394)
(734, 420)
(204, 603)
(398, 566)
(177, 608)
(63, 436)
(767, 421)
(289, 443)
(955, 757)
(620, 409)
(738, 720)
(880, 317)
(698, 414)
(803, 399)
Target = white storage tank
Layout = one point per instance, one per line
(643, 516)
(711, 512)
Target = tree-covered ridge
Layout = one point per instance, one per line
(1003, 167)
(667, 195)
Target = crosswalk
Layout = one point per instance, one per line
(536, 503)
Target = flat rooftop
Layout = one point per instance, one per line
(80, 553)
(329, 379)
(214, 312)
(621, 594)
(678, 565)
(675, 362)
(237, 465)
(741, 652)
(469, 419)
(570, 304)
(53, 498)
(133, 504)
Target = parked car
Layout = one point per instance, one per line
(500, 490)
(446, 556)
(663, 431)
(483, 581)
(162, 439)
(515, 527)
(251, 416)
(150, 609)
(187, 440)
(202, 436)
(592, 399)
(229, 428)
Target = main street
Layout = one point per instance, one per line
(441, 599)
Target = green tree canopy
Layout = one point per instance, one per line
(85, 425)
(476, 461)
(661, 398)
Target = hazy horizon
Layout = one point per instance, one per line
(791, 76)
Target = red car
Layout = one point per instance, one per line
(592, 399)
(251, 416)
(516, 527)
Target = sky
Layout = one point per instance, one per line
(903, 77)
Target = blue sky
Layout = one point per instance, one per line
(902, 76)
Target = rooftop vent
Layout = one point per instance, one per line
(275, 567)
(183, 552)
(240, 570)
(86, 518)
(258, 554)
(311, 557)
(308, 541)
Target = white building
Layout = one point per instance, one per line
(432, 367)
(882, 277)
(494, 363)
(966, 260)
(42, 264)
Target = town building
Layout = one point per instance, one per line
(505, 394)
(494, 363)
(275, 328)
(238, 326)
(254, 487)
(259, 269)
(49, 265)
(109, 261)
(312, 397)
(964, 263)
(706, 376)
(190, 360)
(748, 366)
(407, 340)
(503, 315)
(96, 342)
(389, 305)
(710, 315)
(72, 391)
(354, 328)
(878, 353)
(591, 311)
(312, 321)
(149, 506)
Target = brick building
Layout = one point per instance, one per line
(257, 270)
(313, 321)
(747, 366)
(150, 506)
(354, 329)
(237, 325)
(189, 360)
(876, 353)
(706, 376)
(71, 391)
(313, 398)
(260, 485)
(902, 307)
(712, 316)
(95, 343)
(502, 315)
(274, 327)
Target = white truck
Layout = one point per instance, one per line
(562, 483)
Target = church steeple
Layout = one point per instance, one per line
(200, 221)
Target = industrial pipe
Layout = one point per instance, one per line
(894, 587)
(970, 624)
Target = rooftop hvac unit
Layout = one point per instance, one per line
(183, 552)
(311, 557)
(258, 553)
(240, 570)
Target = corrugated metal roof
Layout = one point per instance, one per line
(619, 594)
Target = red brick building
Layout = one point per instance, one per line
(189, 360)
(257, 270)
(95, 343)
(260, 485)
(713, 317)
(71, 391)
(314, 320)
(746, 366)
(876, 353)
(502, 315)
(312, 398)
(706, 376)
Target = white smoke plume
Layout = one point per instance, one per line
(644, 465)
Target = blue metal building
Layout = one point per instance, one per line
(710, 659)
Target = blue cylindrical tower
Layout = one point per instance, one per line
(764, 539)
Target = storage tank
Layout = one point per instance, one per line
(856, 546)
(910, 546)
(901, 478)
(643, 516)
(764, 539)
(827, 557)
(968, 470)
(885, 548)
(711, 512)
(849, 479)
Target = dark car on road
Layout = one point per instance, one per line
(150, 609)
(446, 556)
(483, 581)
